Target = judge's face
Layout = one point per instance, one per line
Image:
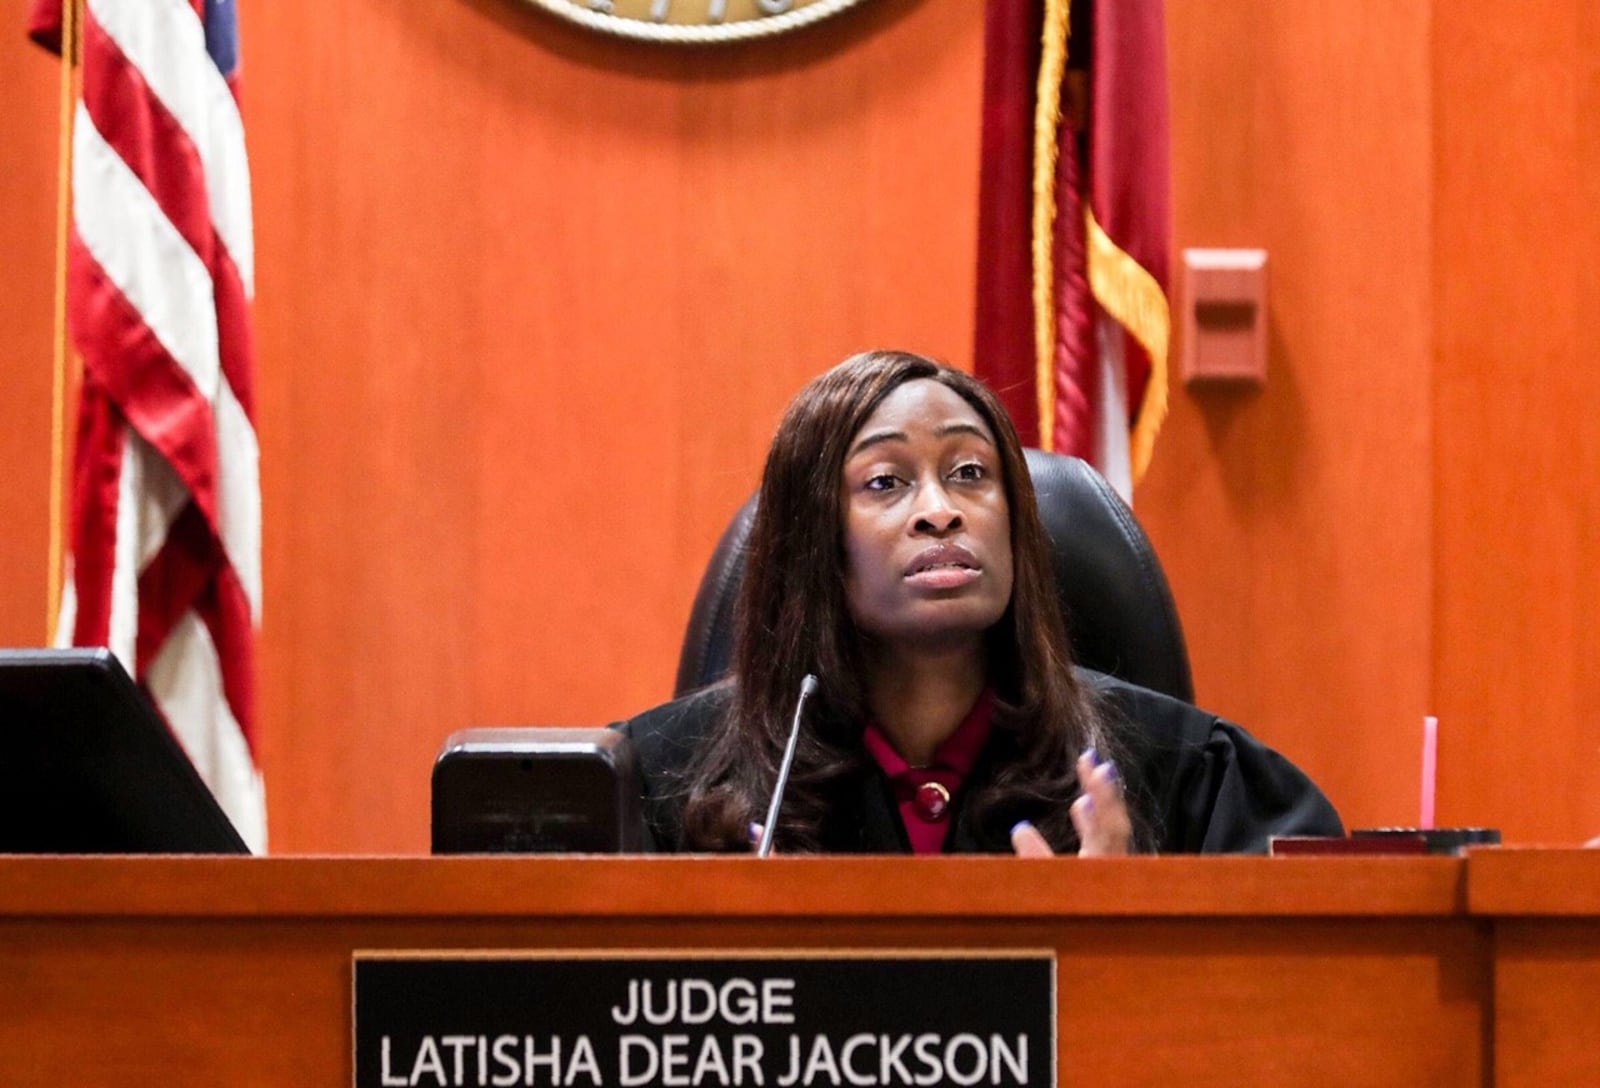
(927, 528)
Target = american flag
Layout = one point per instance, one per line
(1075, 224)
(166, 502)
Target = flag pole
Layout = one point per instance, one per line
(1046, 150)
(71, 18)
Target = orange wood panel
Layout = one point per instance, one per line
(1546, 986)
(1294, 522)
(28, 168)
(1268, 991)
(1546, 906)
(530, 301)
(1517, 395)
(1537, 883)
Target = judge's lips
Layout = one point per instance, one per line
(944, 566)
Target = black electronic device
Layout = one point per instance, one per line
(88, 766)
(536, 790)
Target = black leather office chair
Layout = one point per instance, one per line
(1119, 608)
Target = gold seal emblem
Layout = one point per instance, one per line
(693, 22)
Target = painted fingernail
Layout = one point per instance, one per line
(1111, 770)
(1020, 825)
(1094, 755)
(1088, 804)
(755, 833)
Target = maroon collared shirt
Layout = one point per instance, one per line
(926, 796)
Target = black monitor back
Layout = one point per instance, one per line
(87, 765)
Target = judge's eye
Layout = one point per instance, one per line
(969, 471)
(882, 481)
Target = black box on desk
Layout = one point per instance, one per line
(536, 791)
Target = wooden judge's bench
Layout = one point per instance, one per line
(1483, 970)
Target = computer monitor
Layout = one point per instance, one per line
(87, 765)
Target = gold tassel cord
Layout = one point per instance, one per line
(1127, 291)
(71, 20)
(1046, 149)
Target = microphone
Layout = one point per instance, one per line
(808, 688)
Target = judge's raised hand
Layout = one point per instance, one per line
(1099, 815)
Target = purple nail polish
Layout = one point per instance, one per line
(1111, 770)
(754, 832)
(1094, 755)
(1021, 825)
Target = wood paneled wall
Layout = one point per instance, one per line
(28, 137)
(1516, 395)
(531, 301)
(1295, 520)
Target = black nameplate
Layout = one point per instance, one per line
(770, 1021)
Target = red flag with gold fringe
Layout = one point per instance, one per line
(1075, 224)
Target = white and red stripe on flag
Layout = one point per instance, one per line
(166, 508)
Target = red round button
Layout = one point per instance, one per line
(932, 801)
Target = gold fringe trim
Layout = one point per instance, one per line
(1128, 292)
(1046, 125)
(71, 20)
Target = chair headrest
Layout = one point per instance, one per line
(1118, 606)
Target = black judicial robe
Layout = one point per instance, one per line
(1208, 787)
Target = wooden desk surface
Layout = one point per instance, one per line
(500, 887)
(1224, 971)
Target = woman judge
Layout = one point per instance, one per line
(897, 554)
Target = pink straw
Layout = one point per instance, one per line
(1430, 768)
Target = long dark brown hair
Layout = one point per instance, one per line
(793, 618)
